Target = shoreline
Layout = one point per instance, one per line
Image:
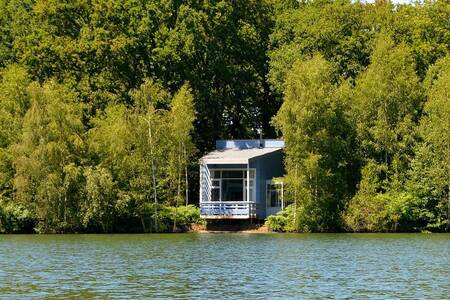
(258, 229)
(204, 229)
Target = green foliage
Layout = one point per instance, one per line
(103, 105)
(14, 102)
(387, 102)
(430, 172)
(339, 30)
(181, 120)
(378, 116)
(103, 49)
(15, 16)
(184, 216)
(283, 221)
(144, 152)
(171, 218)
(47, 157)
(425, 29)
(99, 207)
(385, 212)
(318, 141)
(14, 217)
(344, 32)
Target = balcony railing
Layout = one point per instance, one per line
(228, 210)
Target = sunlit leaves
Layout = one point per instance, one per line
(318, 153)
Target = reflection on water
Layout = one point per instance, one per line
(226, 266)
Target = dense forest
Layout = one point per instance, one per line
(105, 107)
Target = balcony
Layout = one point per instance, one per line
(228, 210)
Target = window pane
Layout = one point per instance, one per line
(215, 194)
(273, 198)
(232, 190)
(216, 183)
(252, 173)
(215, 174)
(232, 174)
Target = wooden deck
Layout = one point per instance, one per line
(228, 210)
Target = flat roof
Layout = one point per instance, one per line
(248, 144)
(235, 156)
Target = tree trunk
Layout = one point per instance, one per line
(153, 176)
(186, 176)
(143, 224)
(295, 199)
(178, 189)
(448, 207)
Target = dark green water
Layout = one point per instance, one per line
(221, 266)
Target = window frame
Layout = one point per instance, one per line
(279, 191)
(220, 178)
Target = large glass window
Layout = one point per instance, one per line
(231, 185)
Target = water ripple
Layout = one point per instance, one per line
(225, 266)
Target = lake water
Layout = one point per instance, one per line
(306, 266)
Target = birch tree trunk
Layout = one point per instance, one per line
(153, 175)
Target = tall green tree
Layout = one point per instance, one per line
(318, 141)
(387, 103)
(120, 177)
(181, 117)
(430, 173)
(151, 113)
(99, 208)
(143, 151)
(14, 102)
(47, 157)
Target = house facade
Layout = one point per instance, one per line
(241, 180)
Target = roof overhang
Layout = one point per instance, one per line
(235, 156)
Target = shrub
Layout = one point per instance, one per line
(186, 215)
(283, 221)
(182, 216)
(14, 218)
(390, 211)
